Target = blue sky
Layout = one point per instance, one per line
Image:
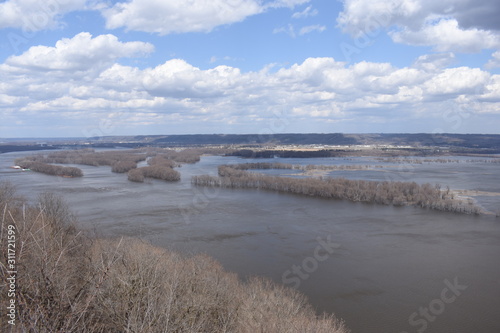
(90, 68)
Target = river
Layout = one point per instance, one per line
(380, 268)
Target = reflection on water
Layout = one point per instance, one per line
(390, 263)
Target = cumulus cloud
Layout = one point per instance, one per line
(172, 16)
(34, 15)
(481, 14)
(494, 62)
(78, 54)
(317, 91)
(434, 62)
(448, 25)
(457, 81)
(177, 78)
(446, 35)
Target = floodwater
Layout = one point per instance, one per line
(380, 268)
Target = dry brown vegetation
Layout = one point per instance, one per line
(123, 166)
(380, 192)
(161, 162)
(159, 168)
(70, 282)
(156, 171)
(286, 166)
(49, 169)
(408, 160)
(135, 175)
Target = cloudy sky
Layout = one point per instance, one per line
(90, 68)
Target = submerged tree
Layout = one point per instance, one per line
(380, 192)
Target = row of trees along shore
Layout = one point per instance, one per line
(71, 281)
(287, 166)
(408, 160)
(380, 192)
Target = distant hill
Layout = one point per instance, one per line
(297, 139)
(470, 143)
(485, 141)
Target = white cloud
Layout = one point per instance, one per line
(446, 35)
(285, 3)
(448, 25)
(34, 15)
(311, 28)
(172, 16)
(289, 30)
(494, 62)
(317, 91)
(177, 78)
(458, 81)
(434, 62)
(78, 54)
(307, 12)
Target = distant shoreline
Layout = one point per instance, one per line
(18, 148)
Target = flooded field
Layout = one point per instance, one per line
(380, 268)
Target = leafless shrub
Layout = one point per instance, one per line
(68, 282)
(135, 175)
(51, 268)
(265, 302)
(160, 160)
(123, 166)
(158, 172)
(49, 169)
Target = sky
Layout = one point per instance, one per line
(86, 68)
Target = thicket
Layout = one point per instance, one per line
(381, 192)
(123, 166)
(159, 168)
(189, 155)
(49, 169)
(68, 281)
(155, 171)
(135, 175)
(91, 157)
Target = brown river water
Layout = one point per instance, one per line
(380, 268)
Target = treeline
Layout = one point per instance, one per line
(345, 152)
(248, 153)
(286, 166)
(69, 281)
(380, 192)
(436, 160)
(49, 169)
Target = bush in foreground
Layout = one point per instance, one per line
(68, 282)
